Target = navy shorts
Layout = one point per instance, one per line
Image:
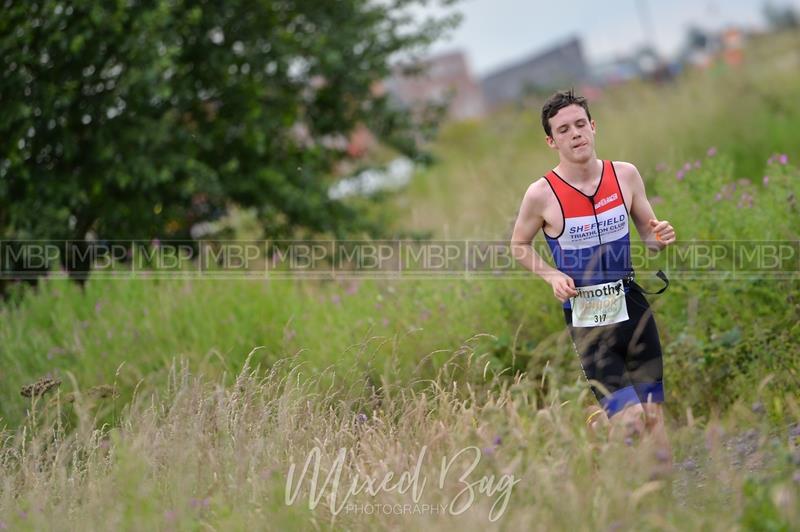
(624, 357)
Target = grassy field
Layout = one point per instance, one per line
(183, 403)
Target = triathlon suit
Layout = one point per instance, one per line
(622, 361)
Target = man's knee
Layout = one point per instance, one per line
(632, 418)
(653, 414)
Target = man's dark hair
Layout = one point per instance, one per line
(558, 101)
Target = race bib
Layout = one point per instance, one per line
(599, 304)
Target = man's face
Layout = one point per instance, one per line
(572, 134)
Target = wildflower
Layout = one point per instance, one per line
(765, 180)
(687, 167)
(679, 175)
(712, 151)
(718, 197)
(497, 440)
(697, 163)
(783, 159)
(352, 288)
(361, 418)
(385, 322)
(488, 451)
(336, 299)
(661, 167)
(199, 503)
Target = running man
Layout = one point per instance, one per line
(583, 206)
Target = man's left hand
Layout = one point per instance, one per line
(663, 232)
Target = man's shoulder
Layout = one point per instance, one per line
(538, 190)
(624, 167)
(626, 172)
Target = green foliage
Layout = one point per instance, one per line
(138, 119)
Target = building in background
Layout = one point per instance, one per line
(561, 66)
(442, 78)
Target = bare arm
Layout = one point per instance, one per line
(655, 234)
(529, 221)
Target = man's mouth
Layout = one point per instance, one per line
(580, 145)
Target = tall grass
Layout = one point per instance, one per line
(212, 453)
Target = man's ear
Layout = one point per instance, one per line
(550, 142)
(594, 126)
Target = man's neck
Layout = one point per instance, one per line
(580, 172)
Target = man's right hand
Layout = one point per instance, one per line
(563, 286)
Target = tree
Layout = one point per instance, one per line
(137, 119)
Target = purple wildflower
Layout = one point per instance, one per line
(712, 151)
(361, 418)
(783, 159)
(200, 503)
(352, 288)
(488, 451)
(765, 180)
(697, 163)
(718, 197)
(497, 440)
(687, 167)
(679, 175)
(336, 299)
(385, 322)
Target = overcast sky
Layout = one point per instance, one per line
(498, 32)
